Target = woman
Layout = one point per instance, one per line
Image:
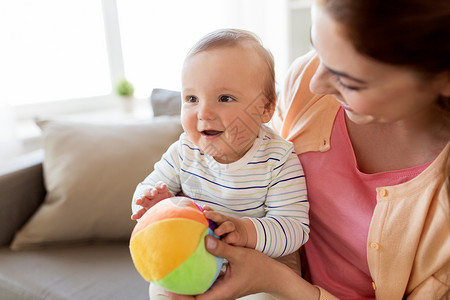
(374, 159)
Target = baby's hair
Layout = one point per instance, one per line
(234, 37)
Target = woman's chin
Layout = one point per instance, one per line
(359, 119)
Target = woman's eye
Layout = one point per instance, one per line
(225, 98)
(191, 99)
(345, 86)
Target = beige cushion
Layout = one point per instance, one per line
(90, 173)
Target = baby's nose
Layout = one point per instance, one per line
(206, 112)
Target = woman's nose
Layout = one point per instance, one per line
(321, 82)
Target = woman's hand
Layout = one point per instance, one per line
(251, 272)
(239, 278)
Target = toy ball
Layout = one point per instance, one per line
(168, 249)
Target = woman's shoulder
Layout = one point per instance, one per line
(302, 68)
(301, 116)
(296, 81)
(303, 63)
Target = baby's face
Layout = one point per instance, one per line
(222, 101)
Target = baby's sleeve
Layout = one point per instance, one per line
(286, 225)
(166, 170)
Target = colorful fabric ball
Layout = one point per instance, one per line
(168, 249)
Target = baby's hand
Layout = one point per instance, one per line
(234, 231)
(151, 196)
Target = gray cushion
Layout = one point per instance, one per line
(78, 273)
(21, 192)
(165, 102)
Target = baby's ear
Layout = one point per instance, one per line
(269, 109)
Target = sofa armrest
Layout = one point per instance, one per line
(22, 191)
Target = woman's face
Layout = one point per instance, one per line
(370, 91)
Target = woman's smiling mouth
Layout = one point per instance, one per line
(345, 106)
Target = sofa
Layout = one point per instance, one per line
(65, 209)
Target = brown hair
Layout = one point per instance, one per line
(447, 171)
(410, 33)
(234, 37)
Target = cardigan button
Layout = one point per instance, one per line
(383, 192)
(374, 286)
(374, 246)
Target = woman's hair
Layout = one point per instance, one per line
(236, 37)
(410, 33)
(447, 171)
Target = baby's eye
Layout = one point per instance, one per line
(191, 99)
(225, 98)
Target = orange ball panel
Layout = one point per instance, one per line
(175, 207)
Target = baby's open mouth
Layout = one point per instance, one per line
(211, 132)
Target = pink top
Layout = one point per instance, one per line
(342, 201)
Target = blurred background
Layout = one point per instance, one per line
(66, 58)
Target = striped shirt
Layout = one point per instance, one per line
(267, 185)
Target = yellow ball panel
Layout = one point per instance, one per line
(162, 246)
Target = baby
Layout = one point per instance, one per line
(227, 159)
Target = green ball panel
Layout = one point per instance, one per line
(195, 275)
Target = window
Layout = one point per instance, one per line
(54, 50)
(77, 51)
(62, 57)
(156, 35)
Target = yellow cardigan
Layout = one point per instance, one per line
(408, 248)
